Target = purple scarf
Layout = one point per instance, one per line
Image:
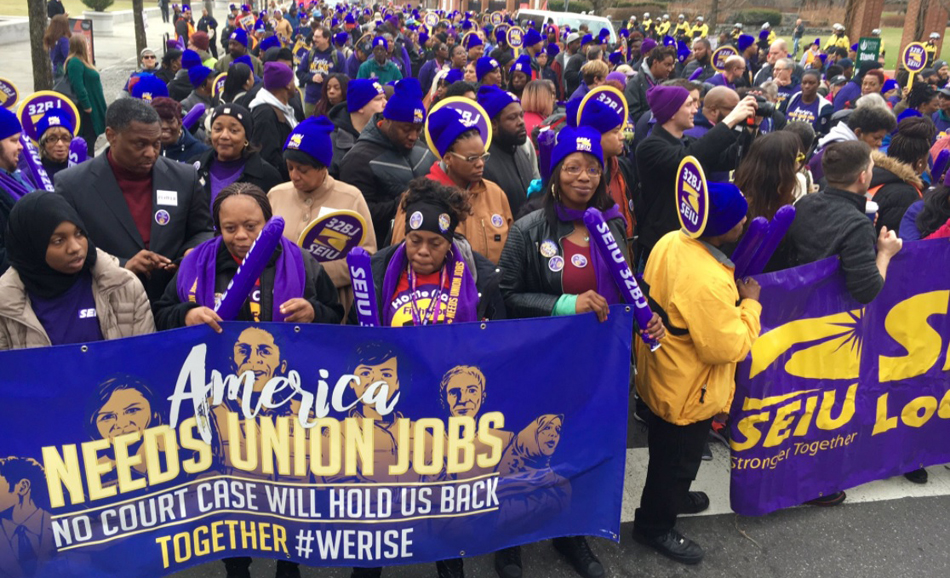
(197, 272)
(462, 306)
(606, 287)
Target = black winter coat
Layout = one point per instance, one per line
(390, 170)
(529, 286)
(344, 137)
(270, 132)
(899, 188)
(257, 171)
(318, 290)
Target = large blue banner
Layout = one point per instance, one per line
(325, 445)
(836, 393)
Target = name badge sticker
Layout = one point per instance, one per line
(167, 198)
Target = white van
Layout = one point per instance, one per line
(594, 23)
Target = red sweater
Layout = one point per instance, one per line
(137, 191)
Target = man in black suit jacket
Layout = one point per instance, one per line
(141, 207)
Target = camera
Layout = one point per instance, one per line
(764, 108)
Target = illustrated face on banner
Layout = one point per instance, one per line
(549, 436)
(369, 374)
(465, 392)
(126, 411)
(256, 351)
(8, 494)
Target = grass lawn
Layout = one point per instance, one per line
(892, 41)
(73, 7)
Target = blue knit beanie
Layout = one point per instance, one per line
(406, 104)
(523, 64)
(190, 59)
(727, 208)
(444, 127)
(312, 137)
(239, 36)
(54, 117)
(360, 91)
(494, 100)
(571, 140)
(9, 124)
(484, 65)
(531, 37)
(600, 116)
(198, 74)
(148, 86)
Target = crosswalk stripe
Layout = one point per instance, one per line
(713, 478)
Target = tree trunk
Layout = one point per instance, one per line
(209, 6)
(714, 18)
(141, 40)
(42, 68)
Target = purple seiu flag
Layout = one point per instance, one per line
(836, 393)
(364, 289)
(32, 165)
(604, 242)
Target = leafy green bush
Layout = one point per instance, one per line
(758, 17)
(98, 5)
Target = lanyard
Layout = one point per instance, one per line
(434, 306)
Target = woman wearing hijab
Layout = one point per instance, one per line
(293, 287)
(461, 149)
(60, 289)
(311, 190)
(529, 486)
(549, 268)
(232, 158)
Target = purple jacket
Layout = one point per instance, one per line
(314, 62)
(427, 74)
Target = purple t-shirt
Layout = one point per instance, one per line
(223, 173)
(71, 317)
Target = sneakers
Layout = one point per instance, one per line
(673, 545)
(719, 431)
(452, 568)
(287, 569)
(578, 553)
(696, 502)
(641, 411)
(366, 573)
(508, 562)
(917, 476)
(829, 500)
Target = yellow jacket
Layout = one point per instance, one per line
(682, 28)
(691, 377)
(838, 42)
(662, 28)
(703, 31)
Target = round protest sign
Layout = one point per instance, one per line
(219, 84)
(33, 107)
(8, 93)
(473, 115)
(431, 19)
(692, 197)
(720, 56)
(609, 96)
(496, 18)
(515, 37)
(331, 236)
(914, 57)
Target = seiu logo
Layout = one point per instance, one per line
(87, 313)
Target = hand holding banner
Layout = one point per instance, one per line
(748, 245)
(773, 237)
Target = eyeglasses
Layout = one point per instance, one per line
(575, 171)
(800, 158)
(148, 57)
(472, 159)
(55, 139)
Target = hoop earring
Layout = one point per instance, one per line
(246, 144)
